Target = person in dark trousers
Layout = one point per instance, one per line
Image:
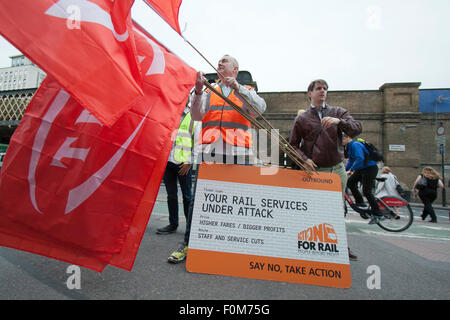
(428, 193)
(317, 134)
(179, 169)
(362, 170)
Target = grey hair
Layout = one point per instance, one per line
(235, 62)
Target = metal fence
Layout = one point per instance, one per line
(13, 105)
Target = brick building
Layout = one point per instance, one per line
(398, 118)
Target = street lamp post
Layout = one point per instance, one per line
(441, 143)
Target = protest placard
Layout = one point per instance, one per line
(285, 227)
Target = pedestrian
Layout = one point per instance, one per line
(225, 132)
(388, 186)
(427, 183)
(363, 170)
(319, 129)
(179, 168)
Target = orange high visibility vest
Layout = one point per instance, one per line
(223, 119)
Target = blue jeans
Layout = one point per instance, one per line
(170, 181)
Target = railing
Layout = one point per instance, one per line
(13, 105)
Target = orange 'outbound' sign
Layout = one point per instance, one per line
(286, 227)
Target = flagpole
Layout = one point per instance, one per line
(193, 47)
(283, 144)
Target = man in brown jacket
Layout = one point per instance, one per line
(317, 134)
(319, 129)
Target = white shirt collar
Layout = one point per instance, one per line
(319, 111)
(226, 90)
(313, 106)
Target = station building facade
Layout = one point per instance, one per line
(399, 118)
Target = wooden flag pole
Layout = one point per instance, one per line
(283, 144)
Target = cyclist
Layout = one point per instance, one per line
(363, 170)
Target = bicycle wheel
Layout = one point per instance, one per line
(398, 223)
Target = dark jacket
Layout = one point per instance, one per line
(328, 149)
(357, 153)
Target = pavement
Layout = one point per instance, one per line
(413, 265)
(437, 206)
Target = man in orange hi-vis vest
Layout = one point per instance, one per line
(224, 130)
(225, 135)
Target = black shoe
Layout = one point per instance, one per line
(364, 215)
(352, 256)
(361, 204)
(167, 229)
(376, 218)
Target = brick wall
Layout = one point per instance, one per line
(389, 116)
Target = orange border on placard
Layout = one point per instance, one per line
(238, 265)
(283, 177)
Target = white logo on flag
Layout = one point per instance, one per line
(88, 12)
(159, 63)
(82, 192)
(66, 151)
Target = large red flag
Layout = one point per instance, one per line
(75, 190)
(86, 45)
(168, 10)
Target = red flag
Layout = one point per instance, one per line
(168, 10)
(75, 190)
(86, 45)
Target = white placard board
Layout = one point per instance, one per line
(285, 227)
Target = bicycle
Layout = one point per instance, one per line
(391, 221)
